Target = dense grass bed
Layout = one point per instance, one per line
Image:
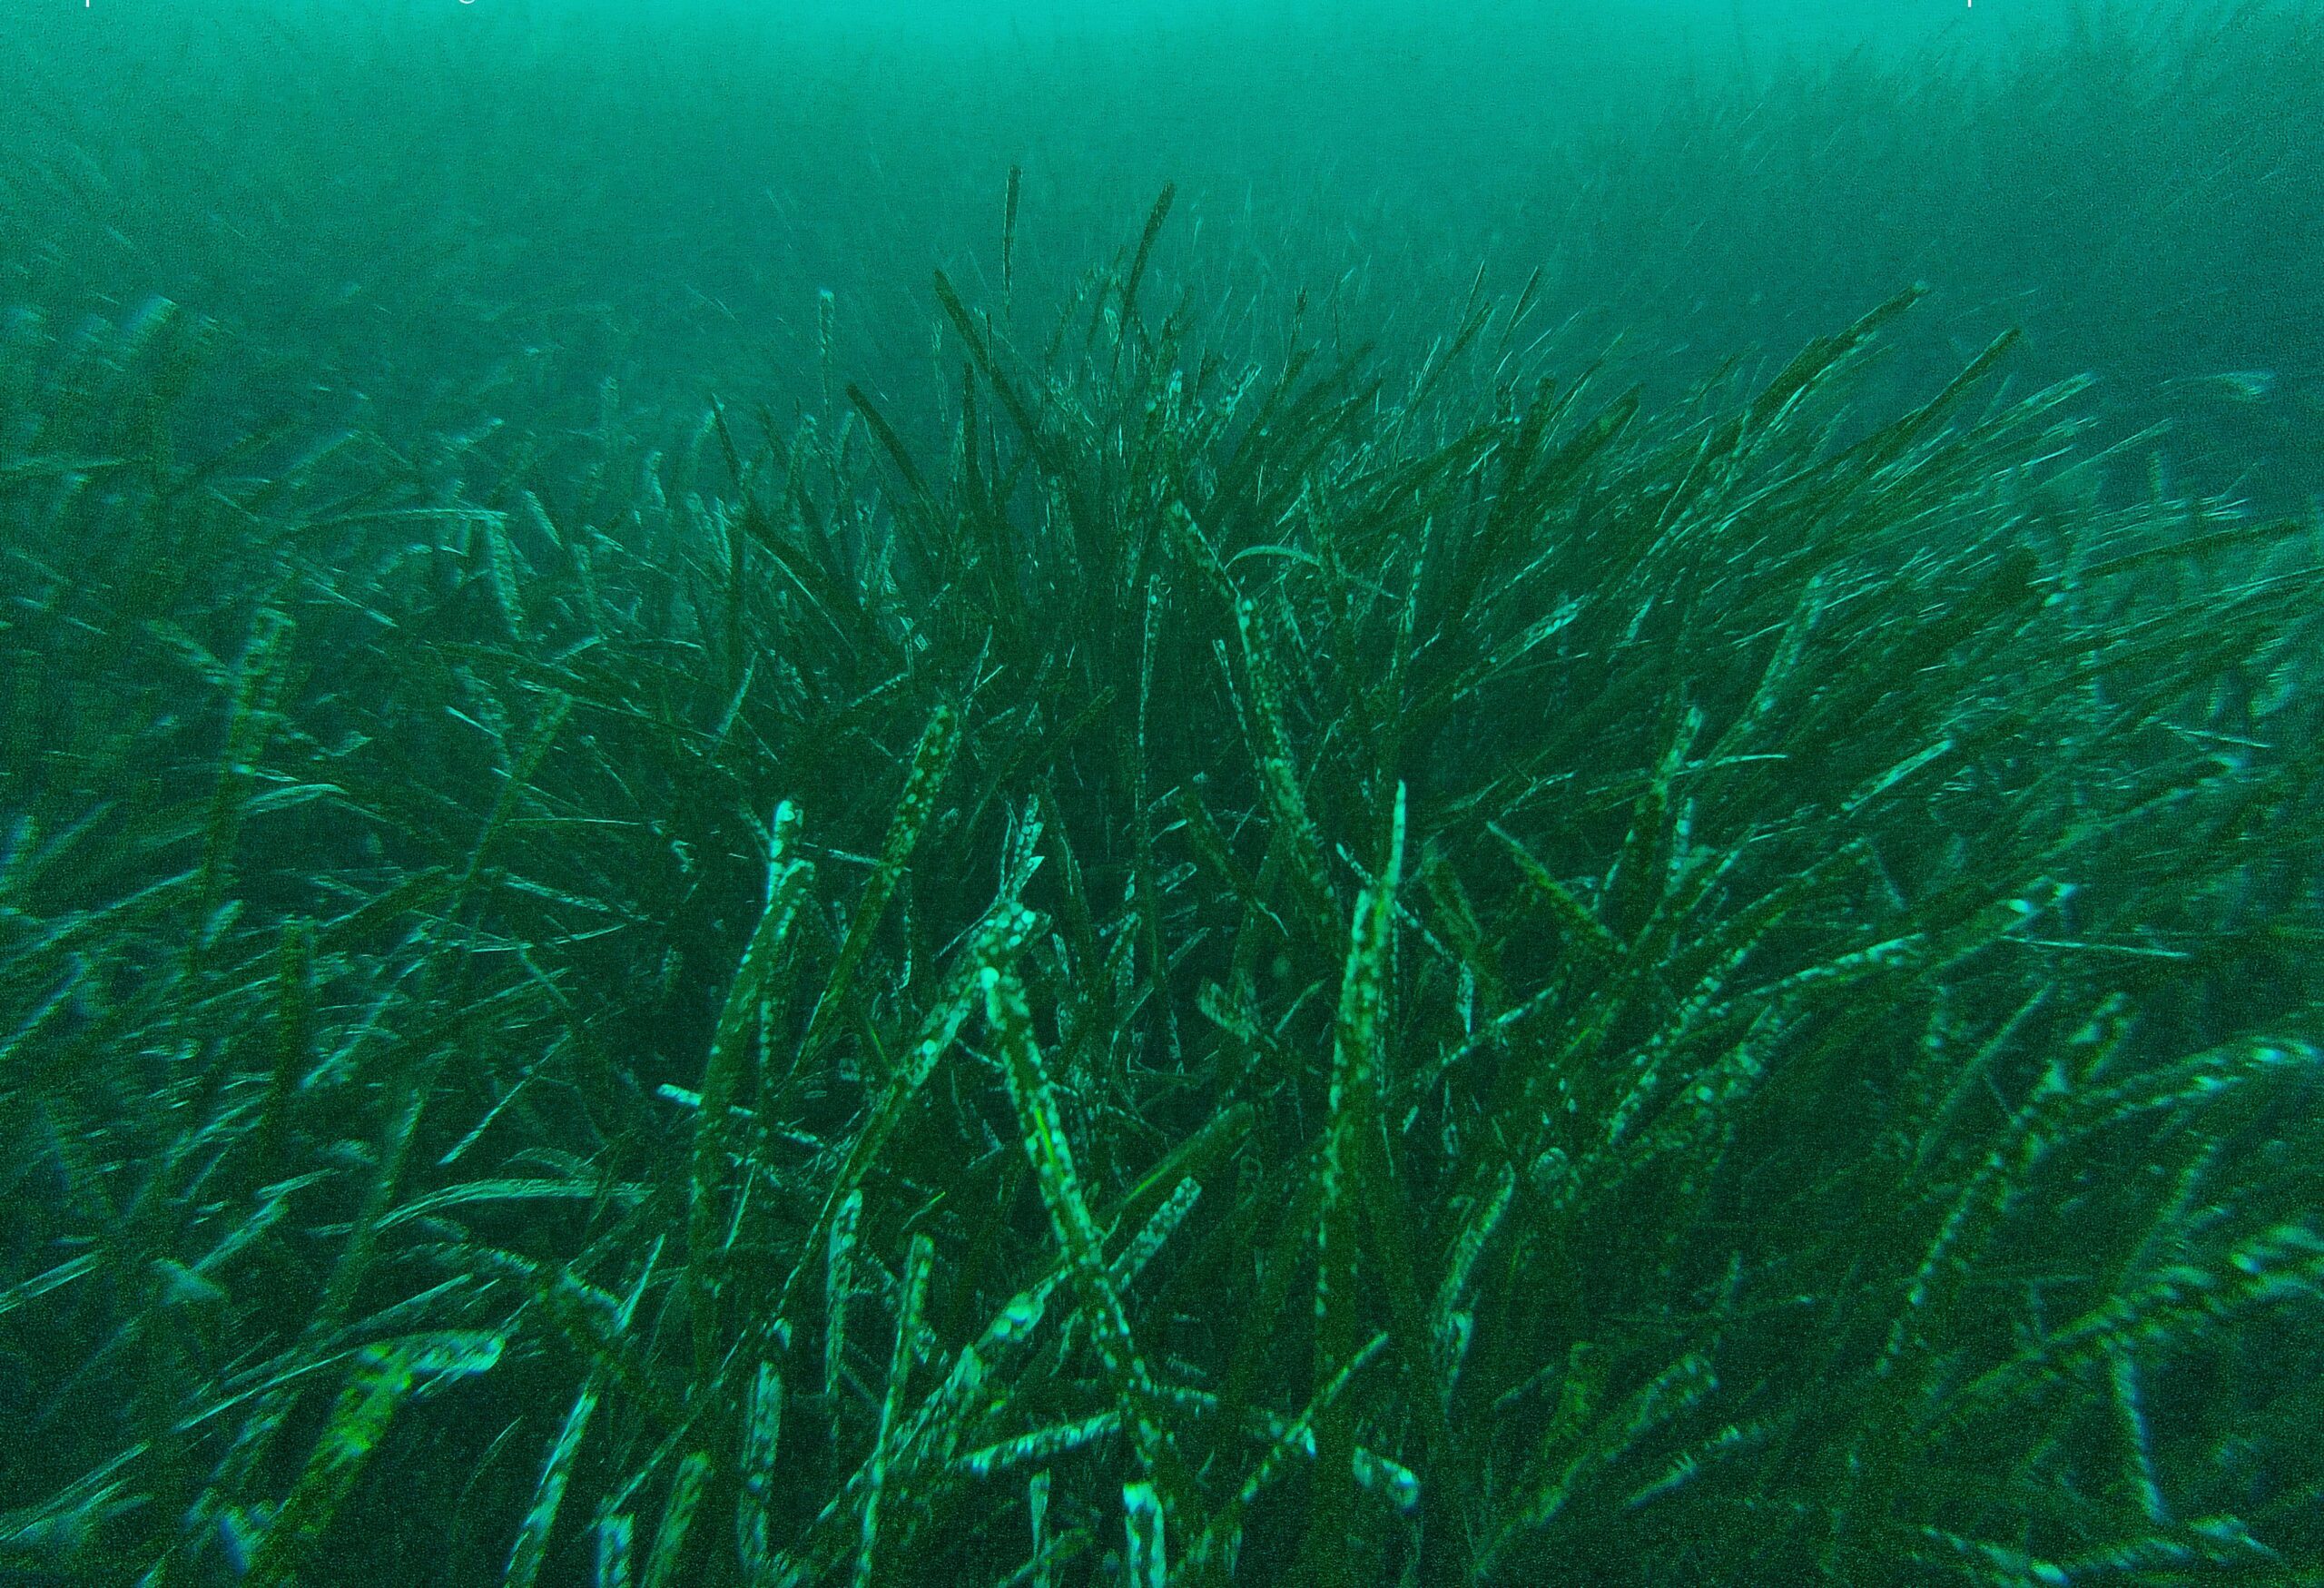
(1107, 937)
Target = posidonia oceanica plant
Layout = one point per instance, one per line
(1266, 970)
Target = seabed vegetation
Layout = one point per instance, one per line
(1203, 966)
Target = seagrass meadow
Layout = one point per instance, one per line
(1241, 799)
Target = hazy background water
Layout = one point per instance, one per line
(421, 210)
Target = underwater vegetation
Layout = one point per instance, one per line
(1255, 968)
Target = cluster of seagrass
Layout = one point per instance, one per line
(1265, 971)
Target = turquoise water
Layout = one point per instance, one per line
(667, 191)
